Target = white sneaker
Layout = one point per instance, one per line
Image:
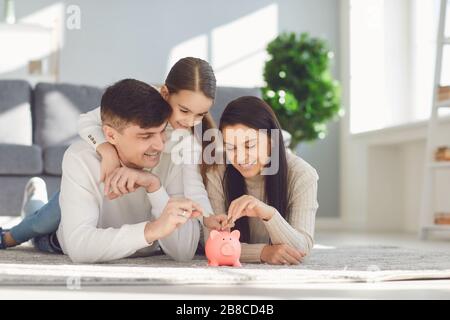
(36, 189)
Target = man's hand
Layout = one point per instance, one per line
(126, 180)
(281, 254)
(176, 213)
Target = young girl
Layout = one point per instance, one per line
(274, 211)
(190, 90)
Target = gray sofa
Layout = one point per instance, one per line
(37, 125)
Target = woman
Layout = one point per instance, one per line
(190, 89)
(274, 211)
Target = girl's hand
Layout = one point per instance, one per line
(217, 222)
(251, 207)
(110, 162)
(281, 254)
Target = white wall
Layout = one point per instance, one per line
(141, 39)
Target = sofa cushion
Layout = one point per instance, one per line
(224, 95)
(15, 112)
(53, 157)
(57, 108)
(20, 160)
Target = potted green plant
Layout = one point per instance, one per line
(299, 86)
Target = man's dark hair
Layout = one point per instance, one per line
(131, 101)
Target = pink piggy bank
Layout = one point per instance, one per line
(223, 248)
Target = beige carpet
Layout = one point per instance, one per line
(25, 266)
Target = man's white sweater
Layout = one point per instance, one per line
(96, 229)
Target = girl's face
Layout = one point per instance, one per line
(247, 149)
(188, 107)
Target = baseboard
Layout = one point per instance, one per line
(329, 224)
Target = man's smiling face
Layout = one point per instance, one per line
(138, 147)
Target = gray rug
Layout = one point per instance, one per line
(25, 266)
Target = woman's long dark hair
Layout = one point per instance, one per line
(194, 74)
(256, 114)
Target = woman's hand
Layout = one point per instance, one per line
(251, 207)
(281, 254)
(217, 222)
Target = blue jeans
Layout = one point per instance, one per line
(40, 224)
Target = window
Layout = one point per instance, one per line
(392, 55)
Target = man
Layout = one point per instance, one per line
(95, 228)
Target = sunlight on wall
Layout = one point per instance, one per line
(368, 104)
(47, 17)
(22, 43)
(195, 47)
(392, 54)
(237, 50)
(423, 50)
(34, 37)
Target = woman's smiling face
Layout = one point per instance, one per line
(247, 149)
(188, 107)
